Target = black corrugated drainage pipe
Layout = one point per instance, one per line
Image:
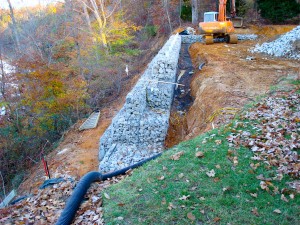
(83, 185)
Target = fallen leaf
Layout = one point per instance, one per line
(276, 190)
(218, 142)
(264, 186)
(292, 196)
(235, 160)
(217, 219)
(95, 199)
(253, 195)
(229, 152)
(95, 217)
(254, 211)
(277, 211)
(171, 206)
(163, 201)
(218, 166)
(191, 216)
(129, 172)
(121, 204)
(202, 198)
(211, 173)
(202, 211)
(199, 154)
(177, 156)
(283, 198)
(181, 175)
(161, 178)
(184, 197)
(106, 195)
(216, 179)
(254, 166)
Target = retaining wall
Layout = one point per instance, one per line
(139, 129)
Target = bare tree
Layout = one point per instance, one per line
(14, 26)
(195, 19)
(101, 14)
(166, 6)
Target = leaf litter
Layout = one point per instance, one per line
(274, 139)
(46, 205)
(275, 143)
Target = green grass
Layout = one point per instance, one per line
(156, 192)
(145, 198)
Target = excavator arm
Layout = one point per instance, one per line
(222, 10)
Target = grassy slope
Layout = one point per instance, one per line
(180, 192)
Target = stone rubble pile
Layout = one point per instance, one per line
(287, 45)
(189, 39)
(139, 129)
(247, 36)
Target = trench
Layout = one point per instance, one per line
(182, 98)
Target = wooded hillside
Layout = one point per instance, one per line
(69, 59)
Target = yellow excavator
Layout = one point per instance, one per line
(217, 25)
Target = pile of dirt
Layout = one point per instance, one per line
(287, 45)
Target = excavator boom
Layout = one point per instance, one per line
(222, 10)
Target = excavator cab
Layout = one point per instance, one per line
(211, 16)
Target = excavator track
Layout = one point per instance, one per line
(233, 39)
(209, 40)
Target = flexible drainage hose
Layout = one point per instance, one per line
(83, 185)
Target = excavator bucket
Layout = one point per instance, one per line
(237, 22)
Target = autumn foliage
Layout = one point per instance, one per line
(69, 59)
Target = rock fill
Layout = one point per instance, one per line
(287, 45)
(138, 131)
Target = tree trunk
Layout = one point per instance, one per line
(166, 6)
(87, 16)
(14, 26)
(195, 19)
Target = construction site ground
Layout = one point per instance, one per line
(230, 78)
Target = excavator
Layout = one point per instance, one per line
(217, 25)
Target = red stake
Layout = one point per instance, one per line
(46, 167)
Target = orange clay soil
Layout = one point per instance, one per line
(231, 77)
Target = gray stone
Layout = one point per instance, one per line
(142, 124)
(284, 46)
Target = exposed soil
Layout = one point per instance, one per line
(227, 81)
(231, 77)
(182, 98)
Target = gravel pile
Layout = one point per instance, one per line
(247, 36)
(287, 45)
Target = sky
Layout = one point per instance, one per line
(23, 3)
